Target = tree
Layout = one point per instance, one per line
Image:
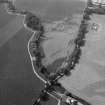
(37, 102)
(44, 96)
(33, 22)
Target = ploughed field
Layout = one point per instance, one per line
(89, 75)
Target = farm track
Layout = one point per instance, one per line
(72, 61)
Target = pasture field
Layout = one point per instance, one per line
(89, 75)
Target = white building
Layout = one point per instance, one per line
(98, 2)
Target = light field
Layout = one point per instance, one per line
(59, 40)
(89, 75)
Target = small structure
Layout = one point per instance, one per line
(98, 2)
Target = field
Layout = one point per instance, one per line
(59, 42)
(88, 78)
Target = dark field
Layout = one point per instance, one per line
(18, 84)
